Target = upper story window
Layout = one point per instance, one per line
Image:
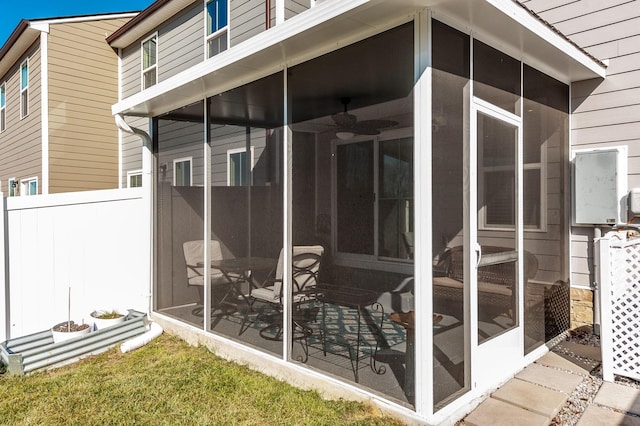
(150, 61)
(3, 107)
(24, 89)
(217, 26)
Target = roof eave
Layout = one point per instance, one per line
(331, 25)
(147, 21)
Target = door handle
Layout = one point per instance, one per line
(478, 250)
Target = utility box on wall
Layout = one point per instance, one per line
(599, 186)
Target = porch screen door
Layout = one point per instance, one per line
(495, 291)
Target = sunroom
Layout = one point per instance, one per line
(370, 196)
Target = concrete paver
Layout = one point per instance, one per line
(552, 359)
(584, 351)
(531, 397)
(596, 416)
(551, 378)
(620, 397)
(497, 413)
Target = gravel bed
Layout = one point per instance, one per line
(585, 392)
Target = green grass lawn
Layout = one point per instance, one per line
(168, 382)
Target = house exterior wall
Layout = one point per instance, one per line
(83, 84)
(605, 112)
(180, 43)
(294, 7)
(21, 142)
(132, 148)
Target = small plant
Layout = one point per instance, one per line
(109, 315)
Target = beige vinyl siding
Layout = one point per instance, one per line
(605, 112)
(132, 148)
(21, 142)
(83, 84)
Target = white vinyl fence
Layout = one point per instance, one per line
(619, 278)
(93, 245)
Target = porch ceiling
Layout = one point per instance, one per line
(334, 24)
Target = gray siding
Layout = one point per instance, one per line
(180, 46)
(294, 7)
(130, 70)
(605, 112)
(181, 42)
(132, 148)
(248, 18)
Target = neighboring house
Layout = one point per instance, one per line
(425, 145)
(58, 78)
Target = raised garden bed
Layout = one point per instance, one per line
(38, 351)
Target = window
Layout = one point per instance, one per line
(237, 166)
(24, 89)
(29, 186)
(217, 22)
(13, 187)
(374, 191)
(134, 179)
(3, 105)
(182, 172)
(150, 61)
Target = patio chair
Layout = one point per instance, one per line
(194, 258)
(306, 267)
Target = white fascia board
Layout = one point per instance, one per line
(36, 22)
(266, 43)
(536, 26)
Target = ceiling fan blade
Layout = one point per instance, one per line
(364, 130)
(377, 124)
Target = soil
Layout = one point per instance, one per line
(64, 327)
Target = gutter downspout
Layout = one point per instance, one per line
(147, 159)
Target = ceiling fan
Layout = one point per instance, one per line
(348, 124)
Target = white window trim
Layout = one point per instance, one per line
(24, 186)
(3, 108)
(213, 35)
(154, 67)
(22, 90)
(183, 160)
(10, 182)
(132, 173)
(230, 152)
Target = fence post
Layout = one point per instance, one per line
(603, 253)
(4, 276)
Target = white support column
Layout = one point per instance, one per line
(207, 218)
(286, 228)
(423, 273)
(602, 253)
